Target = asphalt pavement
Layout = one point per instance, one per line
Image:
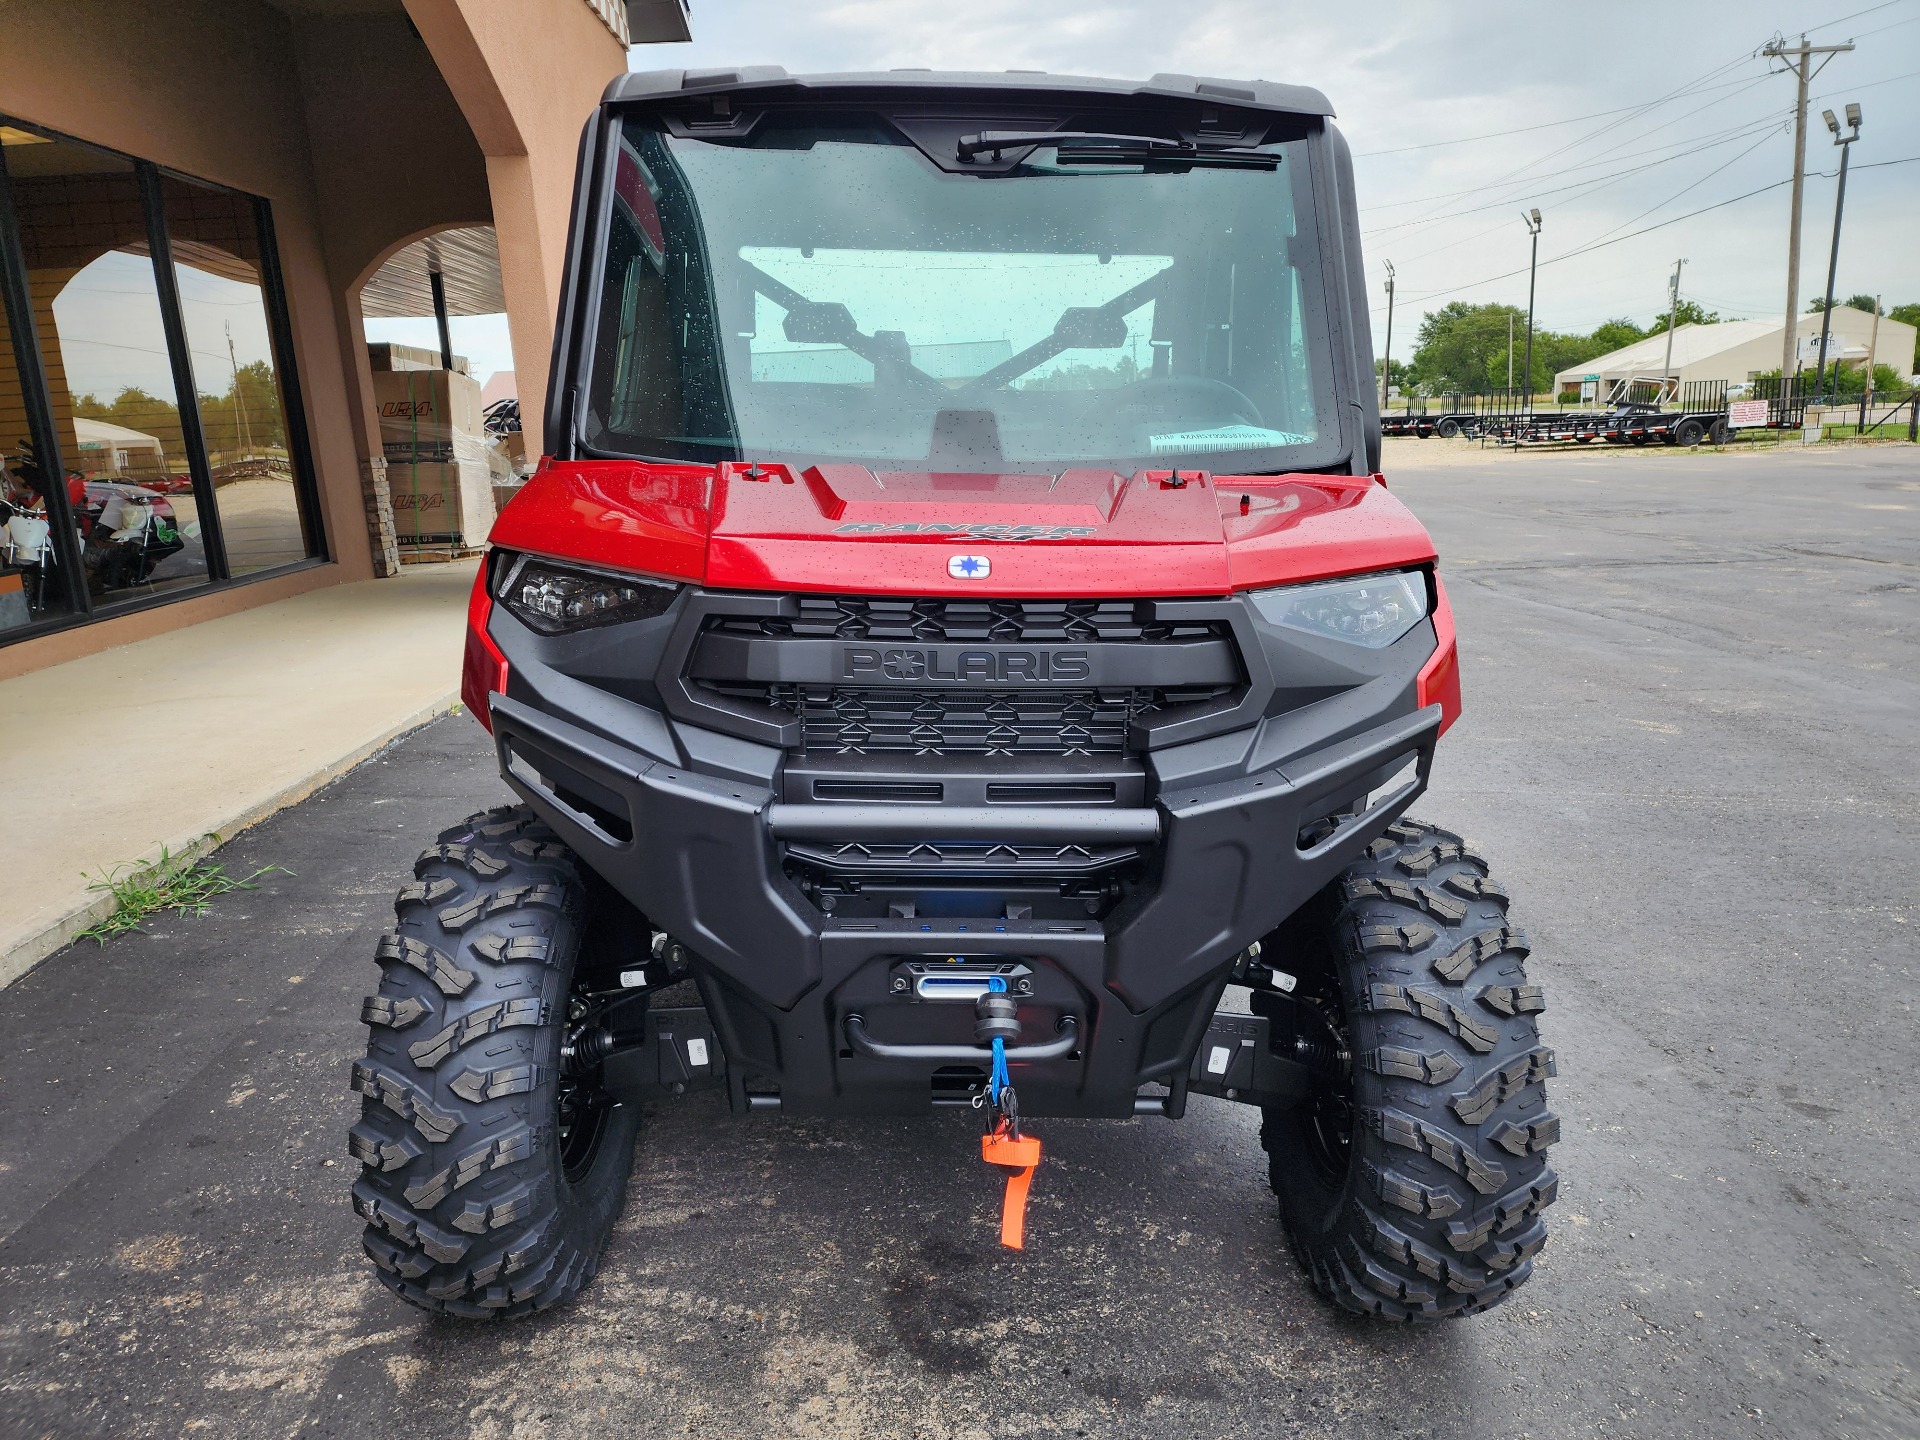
(1693, 697)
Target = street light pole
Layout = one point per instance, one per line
(1532, 217)
(1845, 142)
(1386, 364)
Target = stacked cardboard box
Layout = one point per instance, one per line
(438, 470)
(408, 357)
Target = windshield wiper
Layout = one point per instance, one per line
(1097, 148)
(992, 142)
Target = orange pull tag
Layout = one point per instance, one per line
(1017, 1155)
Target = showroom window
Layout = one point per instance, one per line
(149, 425)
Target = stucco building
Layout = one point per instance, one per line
(193, 197)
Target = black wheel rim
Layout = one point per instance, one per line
(583, 1114)
(1329, 1109)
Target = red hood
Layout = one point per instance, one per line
(843, 527)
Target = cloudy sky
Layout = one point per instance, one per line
(1610, 118)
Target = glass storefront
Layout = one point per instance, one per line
(144, 415)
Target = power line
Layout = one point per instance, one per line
(1643, 214)
(1665, 152)
(1624, 109)
(1658, 225)
(1690, 87)
(1522, 130)
(1829, 24)
(1505, 181)
(1678, 193)
(1596, 181)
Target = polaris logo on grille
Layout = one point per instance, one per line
(875, 663)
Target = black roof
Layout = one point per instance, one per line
(1248, 94)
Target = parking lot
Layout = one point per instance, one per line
(1692, 705)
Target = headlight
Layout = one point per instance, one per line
(558, 599)
(1374, 611)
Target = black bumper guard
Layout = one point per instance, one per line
(699, 857)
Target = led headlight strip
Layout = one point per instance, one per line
(1370, 610)
(557, 599)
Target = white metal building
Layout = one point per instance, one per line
(1738, 350)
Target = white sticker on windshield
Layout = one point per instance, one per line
(1225, 437)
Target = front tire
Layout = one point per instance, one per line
(1411, 1182)
(490, 1177)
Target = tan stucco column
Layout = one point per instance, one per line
(526, 74)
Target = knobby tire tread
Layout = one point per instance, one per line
(1439, 1213)
(468, 1210)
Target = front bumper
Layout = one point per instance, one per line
(699, 855)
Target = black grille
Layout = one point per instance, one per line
(850, 719)
(836, 721)
(971, 857)
(840, 617)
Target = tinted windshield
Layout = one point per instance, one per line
(824, 291)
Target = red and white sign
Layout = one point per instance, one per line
(1746, 412)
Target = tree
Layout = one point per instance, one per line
(1455, 346)
(135, 409)
(251, 426)
(1908, 315)
(1399, 379)
(1853, 302)
(1689, 312)
(1616, 335)
(1552, 352)
(1852, 380)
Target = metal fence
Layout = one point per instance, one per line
(1508, 412)
(1890, 411)
(1786, 398)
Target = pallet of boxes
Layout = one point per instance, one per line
(440, 461)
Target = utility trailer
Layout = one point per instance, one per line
(1446, 416)
(1639, 412)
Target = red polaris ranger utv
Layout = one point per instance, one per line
(957, 636)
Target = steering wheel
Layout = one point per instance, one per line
(1213, 397)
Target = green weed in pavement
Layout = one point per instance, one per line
(186, 887)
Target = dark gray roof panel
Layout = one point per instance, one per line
(1252, 94)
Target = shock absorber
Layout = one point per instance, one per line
(1322, 1054)
(584, 1050)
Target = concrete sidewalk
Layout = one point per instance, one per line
(204, 732)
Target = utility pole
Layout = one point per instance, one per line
(1386, 364)
(1845, 142)
(1873, 346)
(1799, 59)
(1673, 311)
(1532, 217)
(1509, 357)
(243, 432)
